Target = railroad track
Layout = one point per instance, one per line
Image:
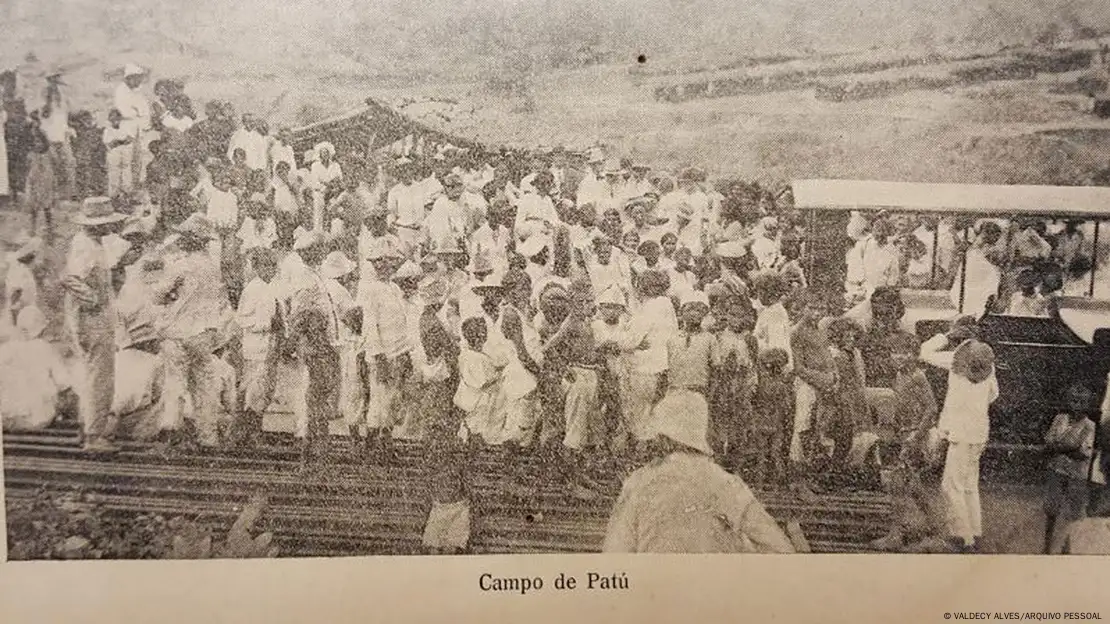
(354, 509)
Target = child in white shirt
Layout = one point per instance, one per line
(259, 230)
(480, 376)
(259, 318)
(772, 325)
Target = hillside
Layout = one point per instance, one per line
(563, 71)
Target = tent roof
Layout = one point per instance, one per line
(972, 199)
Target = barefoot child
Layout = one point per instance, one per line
(480, 375)
(258, 317)
(1070, 443)
(734, 382)
(773, 416)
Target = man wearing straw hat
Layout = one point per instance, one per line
(405, 205)
(315, 328)
(448, 218)
(136, 118)
(374, 239)
(91, 318)
(325, 179)
(592, 188)
(386, 349)
(55, 125)
(196, 318)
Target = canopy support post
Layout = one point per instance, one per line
(1094, 262)
(963, 273)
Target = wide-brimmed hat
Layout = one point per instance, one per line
(495, 281)
(731, 249)
(408, 270)
(612, 167)
(31, 246)
(336, 265)
(31, 322)
(683, 418)
(307, 239)
(131, 69)
(324, 146)
(196, 225)
(612, 296)
(973, 360)
(449, 246)
(596, 235)
(98, 211)
(383, 247)
(692, 296)
(533, 245)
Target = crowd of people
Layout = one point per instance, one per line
(581, 307)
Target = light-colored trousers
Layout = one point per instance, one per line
(582, 409)
(637, 402)
(804, 404)
(188, 389)
(120, 173)
(381, 407)
(960, 484)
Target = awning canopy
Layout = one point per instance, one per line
(371, 127)
(1088, 202)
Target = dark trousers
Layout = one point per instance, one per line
(322, 395)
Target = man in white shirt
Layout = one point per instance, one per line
(765, 247)
(448, 218)
(91, 318)
(494, 236)
(251, 141)
(873, 262)
(196, 316)
(135, 110)
(964, 422)
(639, 184)
(386, 347)
(281, 150)
(324, 180)
(535, 212)
(406, 205)
(592, 188)
(55, 125)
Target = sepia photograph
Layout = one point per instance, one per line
(510, 277)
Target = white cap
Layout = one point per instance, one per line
(684, 418)
(494, 280)
(307, 238)
(132, 69)
(533, 245)
(691, 295)
(31, 321)
(408, 270)
(336, 265)
(611, 296)
(732, 249)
